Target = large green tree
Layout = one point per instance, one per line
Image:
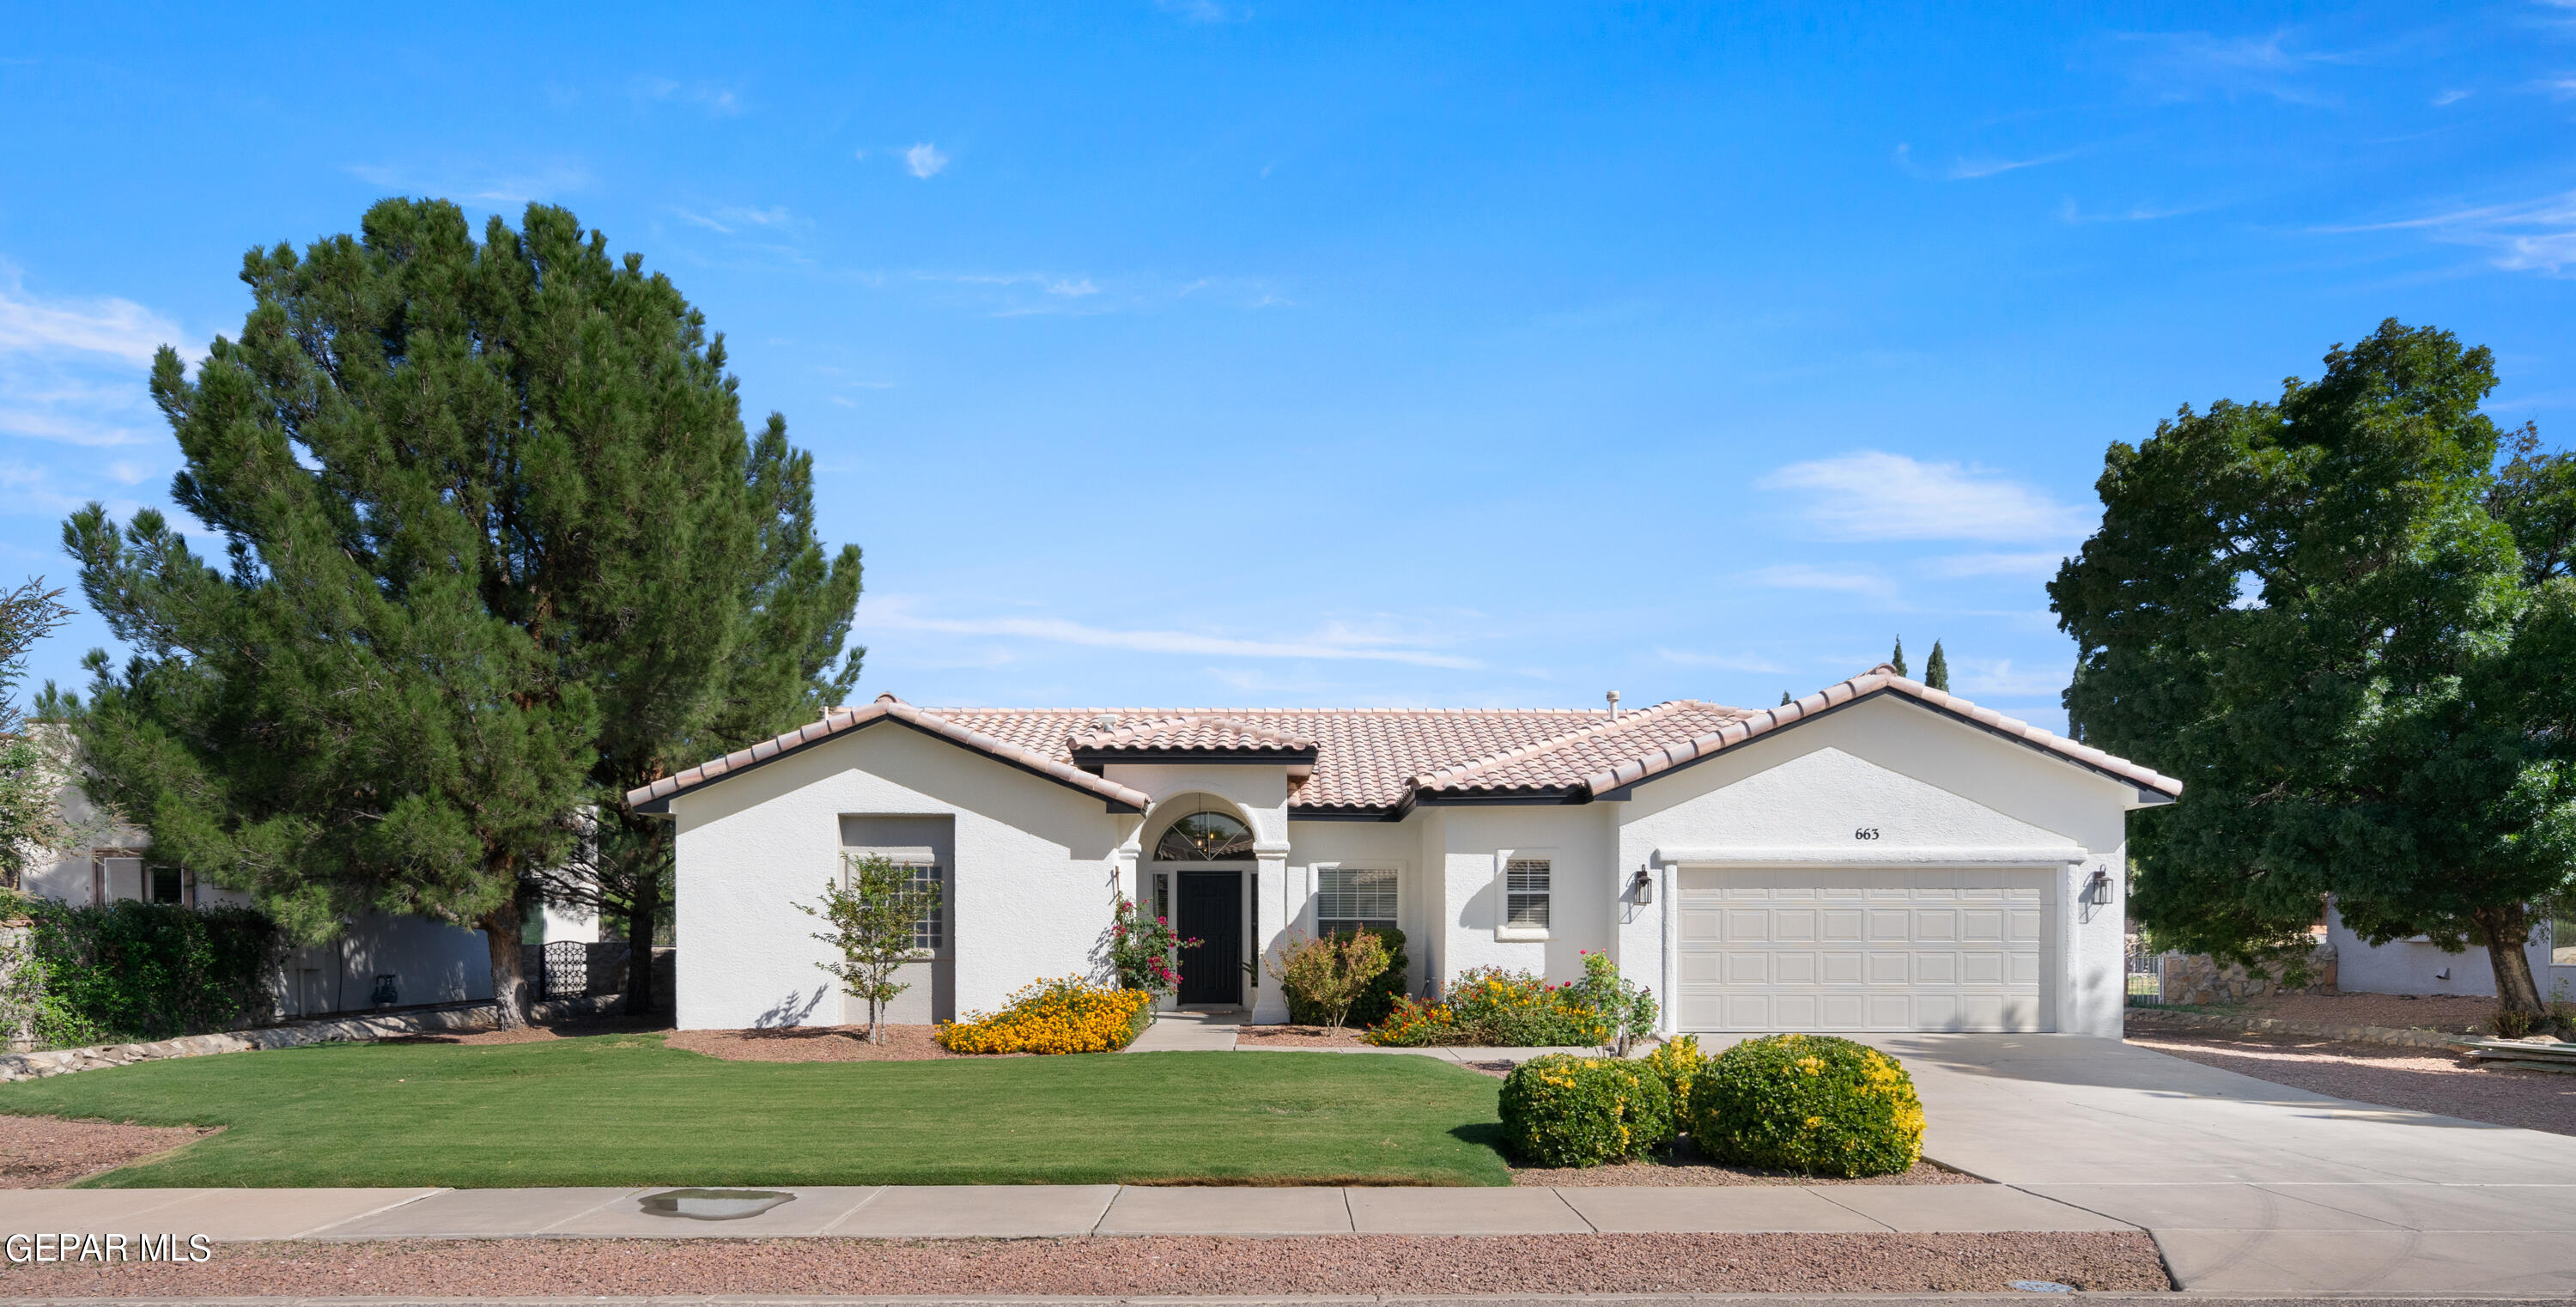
(29, 818)
(2344, 618)
(497, 547)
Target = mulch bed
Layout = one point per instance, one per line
(820, 1044)
(1337, 1264)
(46, 1152)
(1296, 1037)
(2416, 1079)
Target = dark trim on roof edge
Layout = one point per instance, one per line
(1524, 798)
(662, 806)
(1627, 791)
(1345, 814)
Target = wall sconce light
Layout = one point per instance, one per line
(1644, 885)
(2098, 890)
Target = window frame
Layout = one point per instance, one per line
(1394, 920)
(1504, 927)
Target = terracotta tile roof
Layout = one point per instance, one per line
(1562, 762)
(1381, 759)
(1059, 770)
(1191, 735)
(1879, 679)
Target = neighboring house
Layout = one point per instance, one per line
(2419, 966)
(426, 961)
(1877, 856)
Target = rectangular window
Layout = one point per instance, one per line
(1162, 896)
(1525, 893)
(165, 885)
(1352, 898)
(929, 930)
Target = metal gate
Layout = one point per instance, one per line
(574, 969)
(2146, 979)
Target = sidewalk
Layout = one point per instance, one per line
(1042, 1211)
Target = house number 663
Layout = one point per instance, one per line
(1865, 833)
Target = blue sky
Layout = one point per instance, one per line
(1275, 354)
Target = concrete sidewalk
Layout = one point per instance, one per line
(1040, 1211)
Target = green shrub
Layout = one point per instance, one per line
(1808, 1103)
(1627, 1007)
(1676, 1062)
(1326, 976)
(1515, 1009)
(1561, 1110)
(1374, 1002)
(140, 971)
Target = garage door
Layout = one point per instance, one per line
(1845, 949)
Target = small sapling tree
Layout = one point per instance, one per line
(874, 911)
(1331, 973)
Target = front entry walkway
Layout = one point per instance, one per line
(1189, 1032)
(2249, 1186)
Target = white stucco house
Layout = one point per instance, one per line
(1877, 856)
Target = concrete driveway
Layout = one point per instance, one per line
(2252, 1187)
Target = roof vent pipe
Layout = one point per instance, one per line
(1614, 705)
(1105, 720)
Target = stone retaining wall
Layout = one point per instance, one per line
(293, 1034)
(2197, 980)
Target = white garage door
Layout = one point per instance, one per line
(1843, 949)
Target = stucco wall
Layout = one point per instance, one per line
(2413, 967)
(1931, 788)
(1473, 845)
(431, 962)
(1314, 844)
(1036, 868)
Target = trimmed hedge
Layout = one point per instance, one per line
(1562, 1110)
(1809, 1103)
(143, 971)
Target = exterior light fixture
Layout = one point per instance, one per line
(2098, 891)
(1644, 885)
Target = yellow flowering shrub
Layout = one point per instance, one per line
(1068, 1015)
(1675, 1062)
(1810, 1103)
(1561, 1110)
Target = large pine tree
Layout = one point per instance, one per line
(497, 547)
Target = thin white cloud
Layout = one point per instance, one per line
(1806, 576)
(1971, 169)
(475, 185)
(2182, 66)
(118, 328)
(2041, 564)
(2528, 236)
(1998, 678)
(1331, 644)
(2069, 212)
(924, 160)
(1722, 662)
(2451, 97)
(1871, 495)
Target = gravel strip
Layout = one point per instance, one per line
(1296, 1037)
(820, 1044)
(44, 1152)
(2420, 1080)
(1339, 1264)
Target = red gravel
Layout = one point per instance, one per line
(819, 1044)
(1340, 1264)
(1686, 1168)
(45, 1152)
(2417, 1079)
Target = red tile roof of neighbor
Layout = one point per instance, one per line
(1370, 760)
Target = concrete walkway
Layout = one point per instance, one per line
(1188, 1032)
(2249, 1186)
(1035, 1211)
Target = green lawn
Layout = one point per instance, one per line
(624, 1110)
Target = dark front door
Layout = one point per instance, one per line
(1212, 913)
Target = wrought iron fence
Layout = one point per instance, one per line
(2146, 979)
(574, 969)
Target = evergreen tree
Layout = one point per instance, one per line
(2347, 628)
(1897, 659)
(29, 817)
(1785, 701)
(496, 549)
(1936, 669)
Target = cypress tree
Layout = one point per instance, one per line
(1936, 669)
(1897, 659)
(496, 549)
(1784, 698)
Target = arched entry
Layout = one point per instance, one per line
(1198, 866)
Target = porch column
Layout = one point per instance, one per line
(1274, 907)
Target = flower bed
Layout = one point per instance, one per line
(1493, 1008)
(1067, 1015)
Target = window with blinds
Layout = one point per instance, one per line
(1352, 898)
(1525, 892)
